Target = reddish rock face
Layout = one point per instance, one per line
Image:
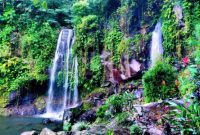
(116, 76)
(126, 69)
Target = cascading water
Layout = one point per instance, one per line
(63, 88)
(156, 45)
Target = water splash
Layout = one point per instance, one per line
(156, 44)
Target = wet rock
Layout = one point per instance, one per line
(139, 93)
(61, 133)
(29, 133)
(154, 131)
(22, 110)
(72, 114)
(98, 130)
(40, 104)
(112, 125)
(89, 116)
(135, 66)
(80, 126)
(46, 121)
(12, 98)
(121, 131)
(47, 131)
(68, 115)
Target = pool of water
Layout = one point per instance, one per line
(17, 125)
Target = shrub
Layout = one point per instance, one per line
(121, 118)
(159, 82)
(101, 111)
(135, 130)
(116, 102)
(67, 126)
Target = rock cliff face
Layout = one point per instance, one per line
(124, 44)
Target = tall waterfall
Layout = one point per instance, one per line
(156, 44)
(63, 86)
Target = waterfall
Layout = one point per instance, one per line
(63, 85)
(156, 45)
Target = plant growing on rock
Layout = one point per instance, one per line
(80, 126)
(159, 82)
(122, 118)
(187, 82)
(187, 118)
(135, 130)
(115, 104)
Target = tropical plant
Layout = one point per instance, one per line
(159, 82)
(186, 118)
(135, 130)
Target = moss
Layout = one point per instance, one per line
(40, 103)
(3, 102)
(87, 106)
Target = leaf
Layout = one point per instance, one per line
(44, 5)
(35, 2)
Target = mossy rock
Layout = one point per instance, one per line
(40, 103)
(97, 92)
(87, 106)
(3, 103)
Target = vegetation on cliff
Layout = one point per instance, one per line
(111, 37)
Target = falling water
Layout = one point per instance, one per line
(156, 44)
(63, 88)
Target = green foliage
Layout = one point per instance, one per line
(159, 82)
(109, 132)
(87, 106)
(171, 32)
(186, 119)
(196, 43)
(116, 103)
(101, 111)
(135, 130)
(96, 64)
(122, 118)
(187, 81)
(112, 41)
(67, 126)
(26, 49)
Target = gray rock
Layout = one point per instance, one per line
(61, 133)
(47, 131)
(89, 116)
(29, 133)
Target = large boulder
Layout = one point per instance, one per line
(47, 131)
